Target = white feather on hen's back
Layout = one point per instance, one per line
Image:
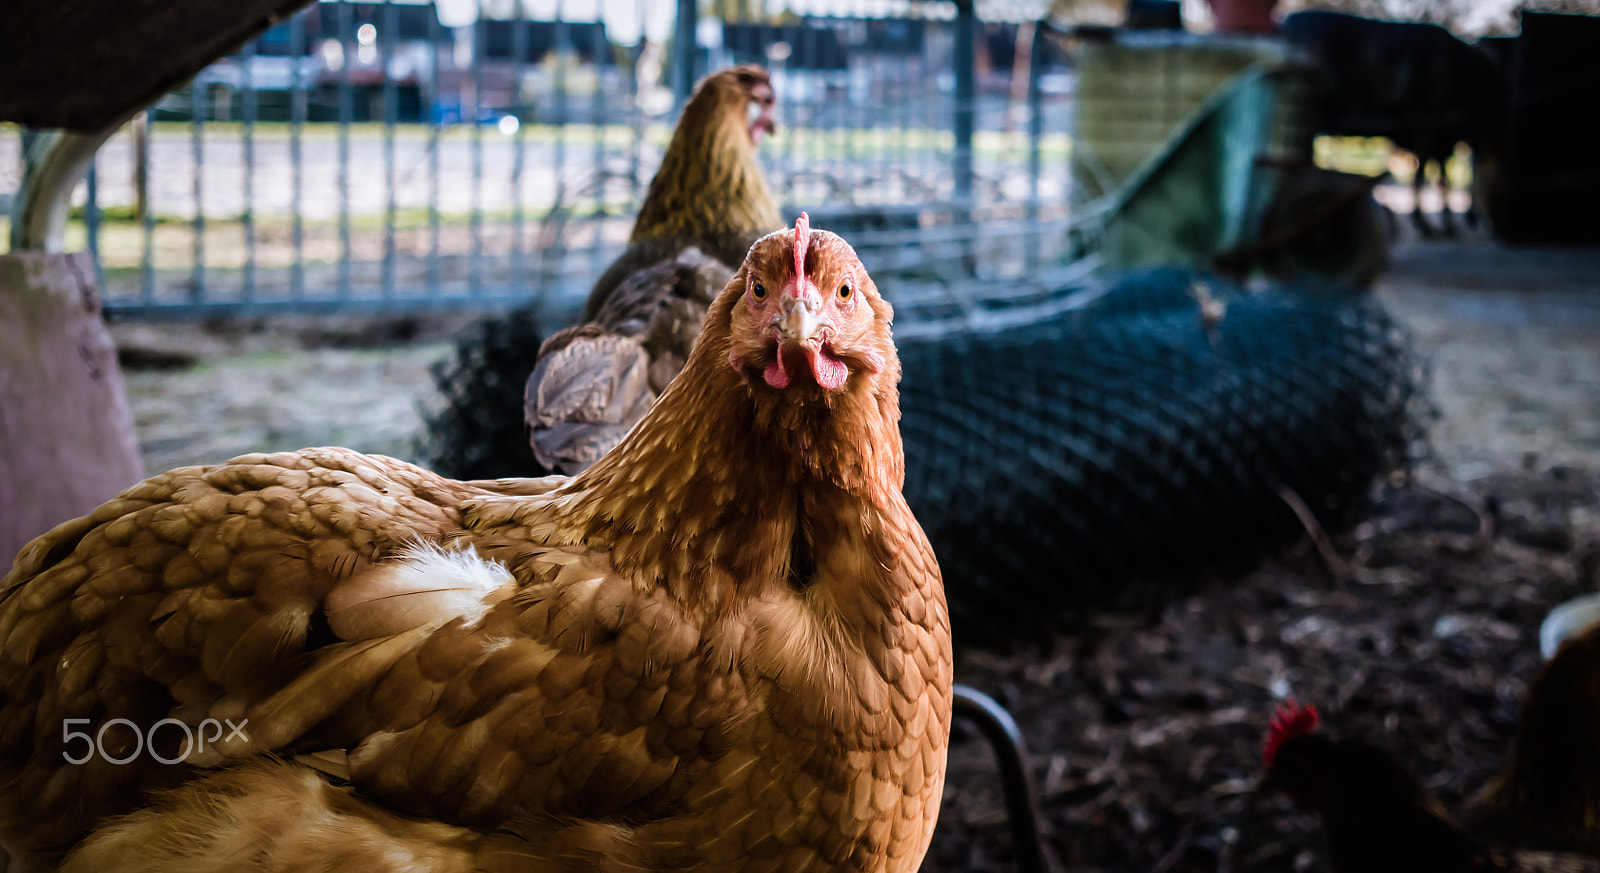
(424, 586)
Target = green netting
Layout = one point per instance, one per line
(1067, 462)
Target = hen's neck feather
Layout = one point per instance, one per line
(707, 494)
(710, 184)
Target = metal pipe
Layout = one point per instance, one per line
(810, 54)
(559, 39)
(53, 164)
(1010, 753)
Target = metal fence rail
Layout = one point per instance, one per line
(371, 156)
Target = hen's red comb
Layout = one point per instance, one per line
(802, 242)
(1290, 721)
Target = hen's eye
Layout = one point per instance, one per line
(845, 291)
(758, 291)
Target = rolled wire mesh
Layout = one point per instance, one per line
(478, 432)
(1077, 460)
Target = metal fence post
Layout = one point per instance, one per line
(144, 121)
(346, 29)
(435, 145)
(964, 61)
(247, 218)
(141, 164)
(683, 51)
(297, 122)
(1035, 139)
(480, 50)
(91, 210)
(389, 40)
(525, 117)
(197, 112)
(27, 135)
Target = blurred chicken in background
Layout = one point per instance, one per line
(708, 202)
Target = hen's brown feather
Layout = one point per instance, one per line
(293, 822)
(595, 380)
(622, 664)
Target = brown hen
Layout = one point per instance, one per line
(707, 203)
(723, 647)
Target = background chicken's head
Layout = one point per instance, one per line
(808, 318)
(743, 93)
(758, 101)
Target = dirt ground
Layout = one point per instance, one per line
(1144, 730)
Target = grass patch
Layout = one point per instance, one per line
(118, 213)
(1370, 156)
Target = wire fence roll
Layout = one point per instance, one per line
(479, 432)
(1098, 456)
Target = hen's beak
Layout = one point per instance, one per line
(761, 123)
(800, 323)
(760, 128)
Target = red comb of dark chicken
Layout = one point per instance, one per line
(1290, 721)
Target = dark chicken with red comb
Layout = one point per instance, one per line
(1377, 818)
